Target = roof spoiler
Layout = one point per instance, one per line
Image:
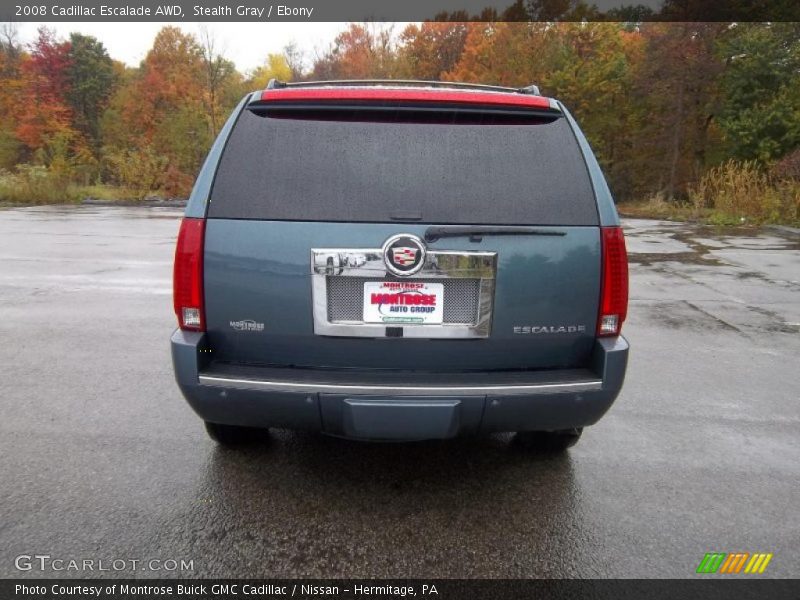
(275, 84)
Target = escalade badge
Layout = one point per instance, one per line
(404, 254)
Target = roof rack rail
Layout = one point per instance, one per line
(275, 84)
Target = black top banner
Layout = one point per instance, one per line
(407, 10)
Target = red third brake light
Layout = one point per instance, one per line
(384, 94)
(187, 281)
(614, 284)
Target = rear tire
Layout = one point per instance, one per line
(233, 435)
(549, 441)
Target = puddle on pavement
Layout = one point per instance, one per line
(685, 315)
(694, 258)
(702, 241)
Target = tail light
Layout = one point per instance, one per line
(614, 284)
(187, 281)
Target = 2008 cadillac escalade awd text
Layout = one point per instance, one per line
(400, 261)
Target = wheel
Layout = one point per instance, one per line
(233, 435)
(549, 441)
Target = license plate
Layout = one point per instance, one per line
(403, 302)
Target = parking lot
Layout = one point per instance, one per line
(103, 459)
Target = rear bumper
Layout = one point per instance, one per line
(398, 406)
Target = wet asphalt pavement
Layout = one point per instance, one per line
(102, 458)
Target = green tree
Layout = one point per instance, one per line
(91, 79)
(760, 113)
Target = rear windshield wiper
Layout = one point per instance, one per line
(476, 232)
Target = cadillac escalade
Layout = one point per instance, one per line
(400, 260)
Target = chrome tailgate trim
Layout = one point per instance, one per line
(394, 390)
(369, 263)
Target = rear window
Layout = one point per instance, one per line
(303, 167)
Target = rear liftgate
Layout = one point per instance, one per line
(264, 221)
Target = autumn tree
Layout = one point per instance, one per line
(161, 110)
(476, 64)
(11, 91)
(678, 85)
(275, 67)
(220, 73)
(295, 60)
(660, 102)
(430, 50)
(362, 51)
(592, 72)
(45, 77)
(503, 53)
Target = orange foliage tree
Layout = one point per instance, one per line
(43, 111)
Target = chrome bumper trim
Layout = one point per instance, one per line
(406, 390)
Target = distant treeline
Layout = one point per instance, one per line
(661, 103)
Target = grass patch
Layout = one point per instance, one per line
(658, 208)
(735, 193)
(36, 185)
(743, 191)
(107, 192)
